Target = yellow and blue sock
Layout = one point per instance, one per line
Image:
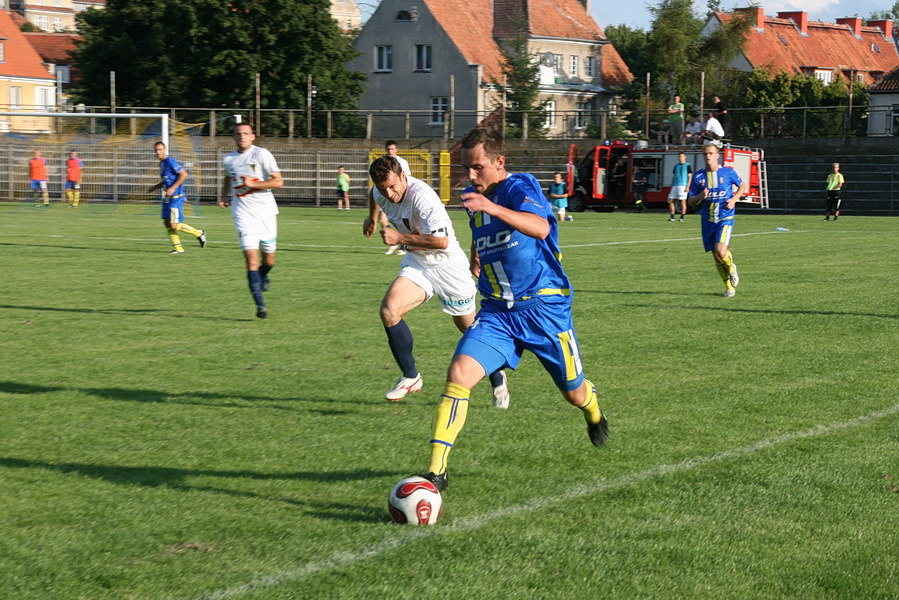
(448, 422)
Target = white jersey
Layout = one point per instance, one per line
(251, 205)
(404, 164)
(421, 212)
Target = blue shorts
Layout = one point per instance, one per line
(38, 184)
(72, 185)
(173, 209)
(499, 336)
(716, 233)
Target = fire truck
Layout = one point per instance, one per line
(603, 178)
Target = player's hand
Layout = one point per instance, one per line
(224, 203)
(474, 202)
(390, 236)
(368, 227)
(474, 265)
(248, 182)
(731, 203)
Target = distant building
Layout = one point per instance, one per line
(883, 105)
(55, 52)
(842, 51)
(25, 83)
(347, 14)
(58, 15)
(441, 59)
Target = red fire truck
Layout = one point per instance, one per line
(591, 181)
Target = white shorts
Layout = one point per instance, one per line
(678, 192)
(258, 234)
(451, 282)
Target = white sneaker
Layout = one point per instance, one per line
(403, 386)
(569, 218)
(400, 252)
(734, 276)
(392, 249)
(501, 393)
(730, 293)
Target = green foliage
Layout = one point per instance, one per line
(206, 53)
(159, 442)
(522, 69)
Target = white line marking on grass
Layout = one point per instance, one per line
(689, 239)
(408, 535)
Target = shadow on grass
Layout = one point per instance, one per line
(126, 311)
(216, 400)
(129, 249)
(176, 479)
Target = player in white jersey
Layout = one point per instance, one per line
(251, 173)
(435, 264)
(392, 150)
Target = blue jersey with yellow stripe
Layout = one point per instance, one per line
(514, 266)
(721, 185)
(168, 172)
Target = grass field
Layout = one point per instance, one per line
(158, 441)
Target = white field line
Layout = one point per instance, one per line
(378, 246)
(408, 535)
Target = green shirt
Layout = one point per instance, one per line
(834, 181)
(343, 182)
(676, 116)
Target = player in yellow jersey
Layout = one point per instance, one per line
(834, 185)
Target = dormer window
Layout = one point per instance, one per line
(403, 15)
(875, 48)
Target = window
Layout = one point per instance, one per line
(423, 58)
(557, 63)
(64, 72)
(875, 48)
(15, 97)
(439, 106)
(2, 52)
(573, 64)
(823, 76)
(403, 15)
(590, 67)
(41, 22)
(45, 99)
(57, 23)
(580, 115)
(550, 115)
(383, 58)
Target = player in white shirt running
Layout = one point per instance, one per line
(392, 150)
(251, 173)
(435, 264)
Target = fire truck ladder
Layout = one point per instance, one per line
(763, 184)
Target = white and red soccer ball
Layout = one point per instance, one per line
(416, 501)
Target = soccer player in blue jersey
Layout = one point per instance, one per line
(173, 177)
(526, 296)
(713, 190)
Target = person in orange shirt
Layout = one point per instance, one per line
(73, 179)
(38, 175)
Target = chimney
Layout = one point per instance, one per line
(510, 17)
(886, 26)
(756, 16)
(854, 23)
(800, 18)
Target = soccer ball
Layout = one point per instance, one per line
(416, 501)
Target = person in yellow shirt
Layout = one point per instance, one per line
(834, 185)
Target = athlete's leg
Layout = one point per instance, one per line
(402, 296)
(464, 373)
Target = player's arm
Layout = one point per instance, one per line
(368, 227)
(474, 261)
(741, 191)
(225, 193)
(696, 199)
(528, 223)
(428, 241)
(273, 182)
(180, 179)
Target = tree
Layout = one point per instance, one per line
(522, 78)
(205, 53)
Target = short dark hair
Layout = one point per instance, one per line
(390, 143)
(156, 144)
(250, 125)
(382, 167)
(492, 139)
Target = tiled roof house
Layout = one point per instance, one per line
(55, 50)
(883, 105)
(436, 58)
(791, 42)
(25, 84)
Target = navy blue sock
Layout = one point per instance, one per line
(264, 269)
(399, 337)
(255, 280)
(496, 378)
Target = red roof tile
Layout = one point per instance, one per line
(889, 83)
(780, 46)
(469, 23)
(53, 47)
(21, 60)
